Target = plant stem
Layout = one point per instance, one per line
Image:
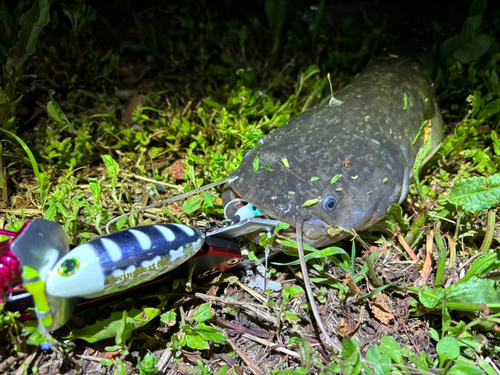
(3, 179)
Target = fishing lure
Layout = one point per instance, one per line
(54, 277)
(122, 260)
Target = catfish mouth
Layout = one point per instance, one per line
(315, 231)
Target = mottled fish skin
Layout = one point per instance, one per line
(370, 126)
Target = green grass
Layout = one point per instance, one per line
(178, 103)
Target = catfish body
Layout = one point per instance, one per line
(365, 136)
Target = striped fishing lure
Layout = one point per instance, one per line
(122, 260)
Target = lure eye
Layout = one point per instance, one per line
(69, 267)
(329, 203)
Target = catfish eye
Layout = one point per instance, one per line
(329, 203)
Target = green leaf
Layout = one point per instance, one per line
(34, 164)
(281, 226)
(203, 313)
(147, 366)
(465, 296)
(390, 347)
(256, 163)
(208, 200)
(318, 254)
(112, 166)
(380, 362)
(32, 22)
(56, 113)
(492, 108)
(169, 318)
(473, 49)
(314, 178)
(120, 368)
(197, 338)
(476, 193)
(335, 179)
(51, 212)
(176, 342)
(3, 97)
(351, 357)
(487, 367)
(285, 162)
(295, 291)
(464, 369)
(291, 317)
(115, 325)
(195, 341)
(310, 202)
(375, 291)
(447, 348)
(482, 265)
(395, 218)
(276, 12)
(192, 204)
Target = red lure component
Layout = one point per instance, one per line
(10, 267)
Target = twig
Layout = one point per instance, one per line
(164, 360)
(307, 284)
(251, 291)
(426, 268)
(26, 211)
(228, 302)
(26, 364)
(3, 179)
(239, 329)
(271, 346)
(178, 187)
(360, 320)
(172, 199)
(254, 369)
(407, 248)
(256, 309)
(411, 339)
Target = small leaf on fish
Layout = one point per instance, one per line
(285, 162)
(268, 169)
(310, 202)
(256, 163)
(314, 178)
(420, 131)
(281, 226)
(338, 189)
(354, 177)
(405, 98)
(331, 231)
(291, 193)
(335, 179)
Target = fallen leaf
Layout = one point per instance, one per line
(178, 170)
(380, 308)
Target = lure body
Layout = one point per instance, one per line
(122, 260)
